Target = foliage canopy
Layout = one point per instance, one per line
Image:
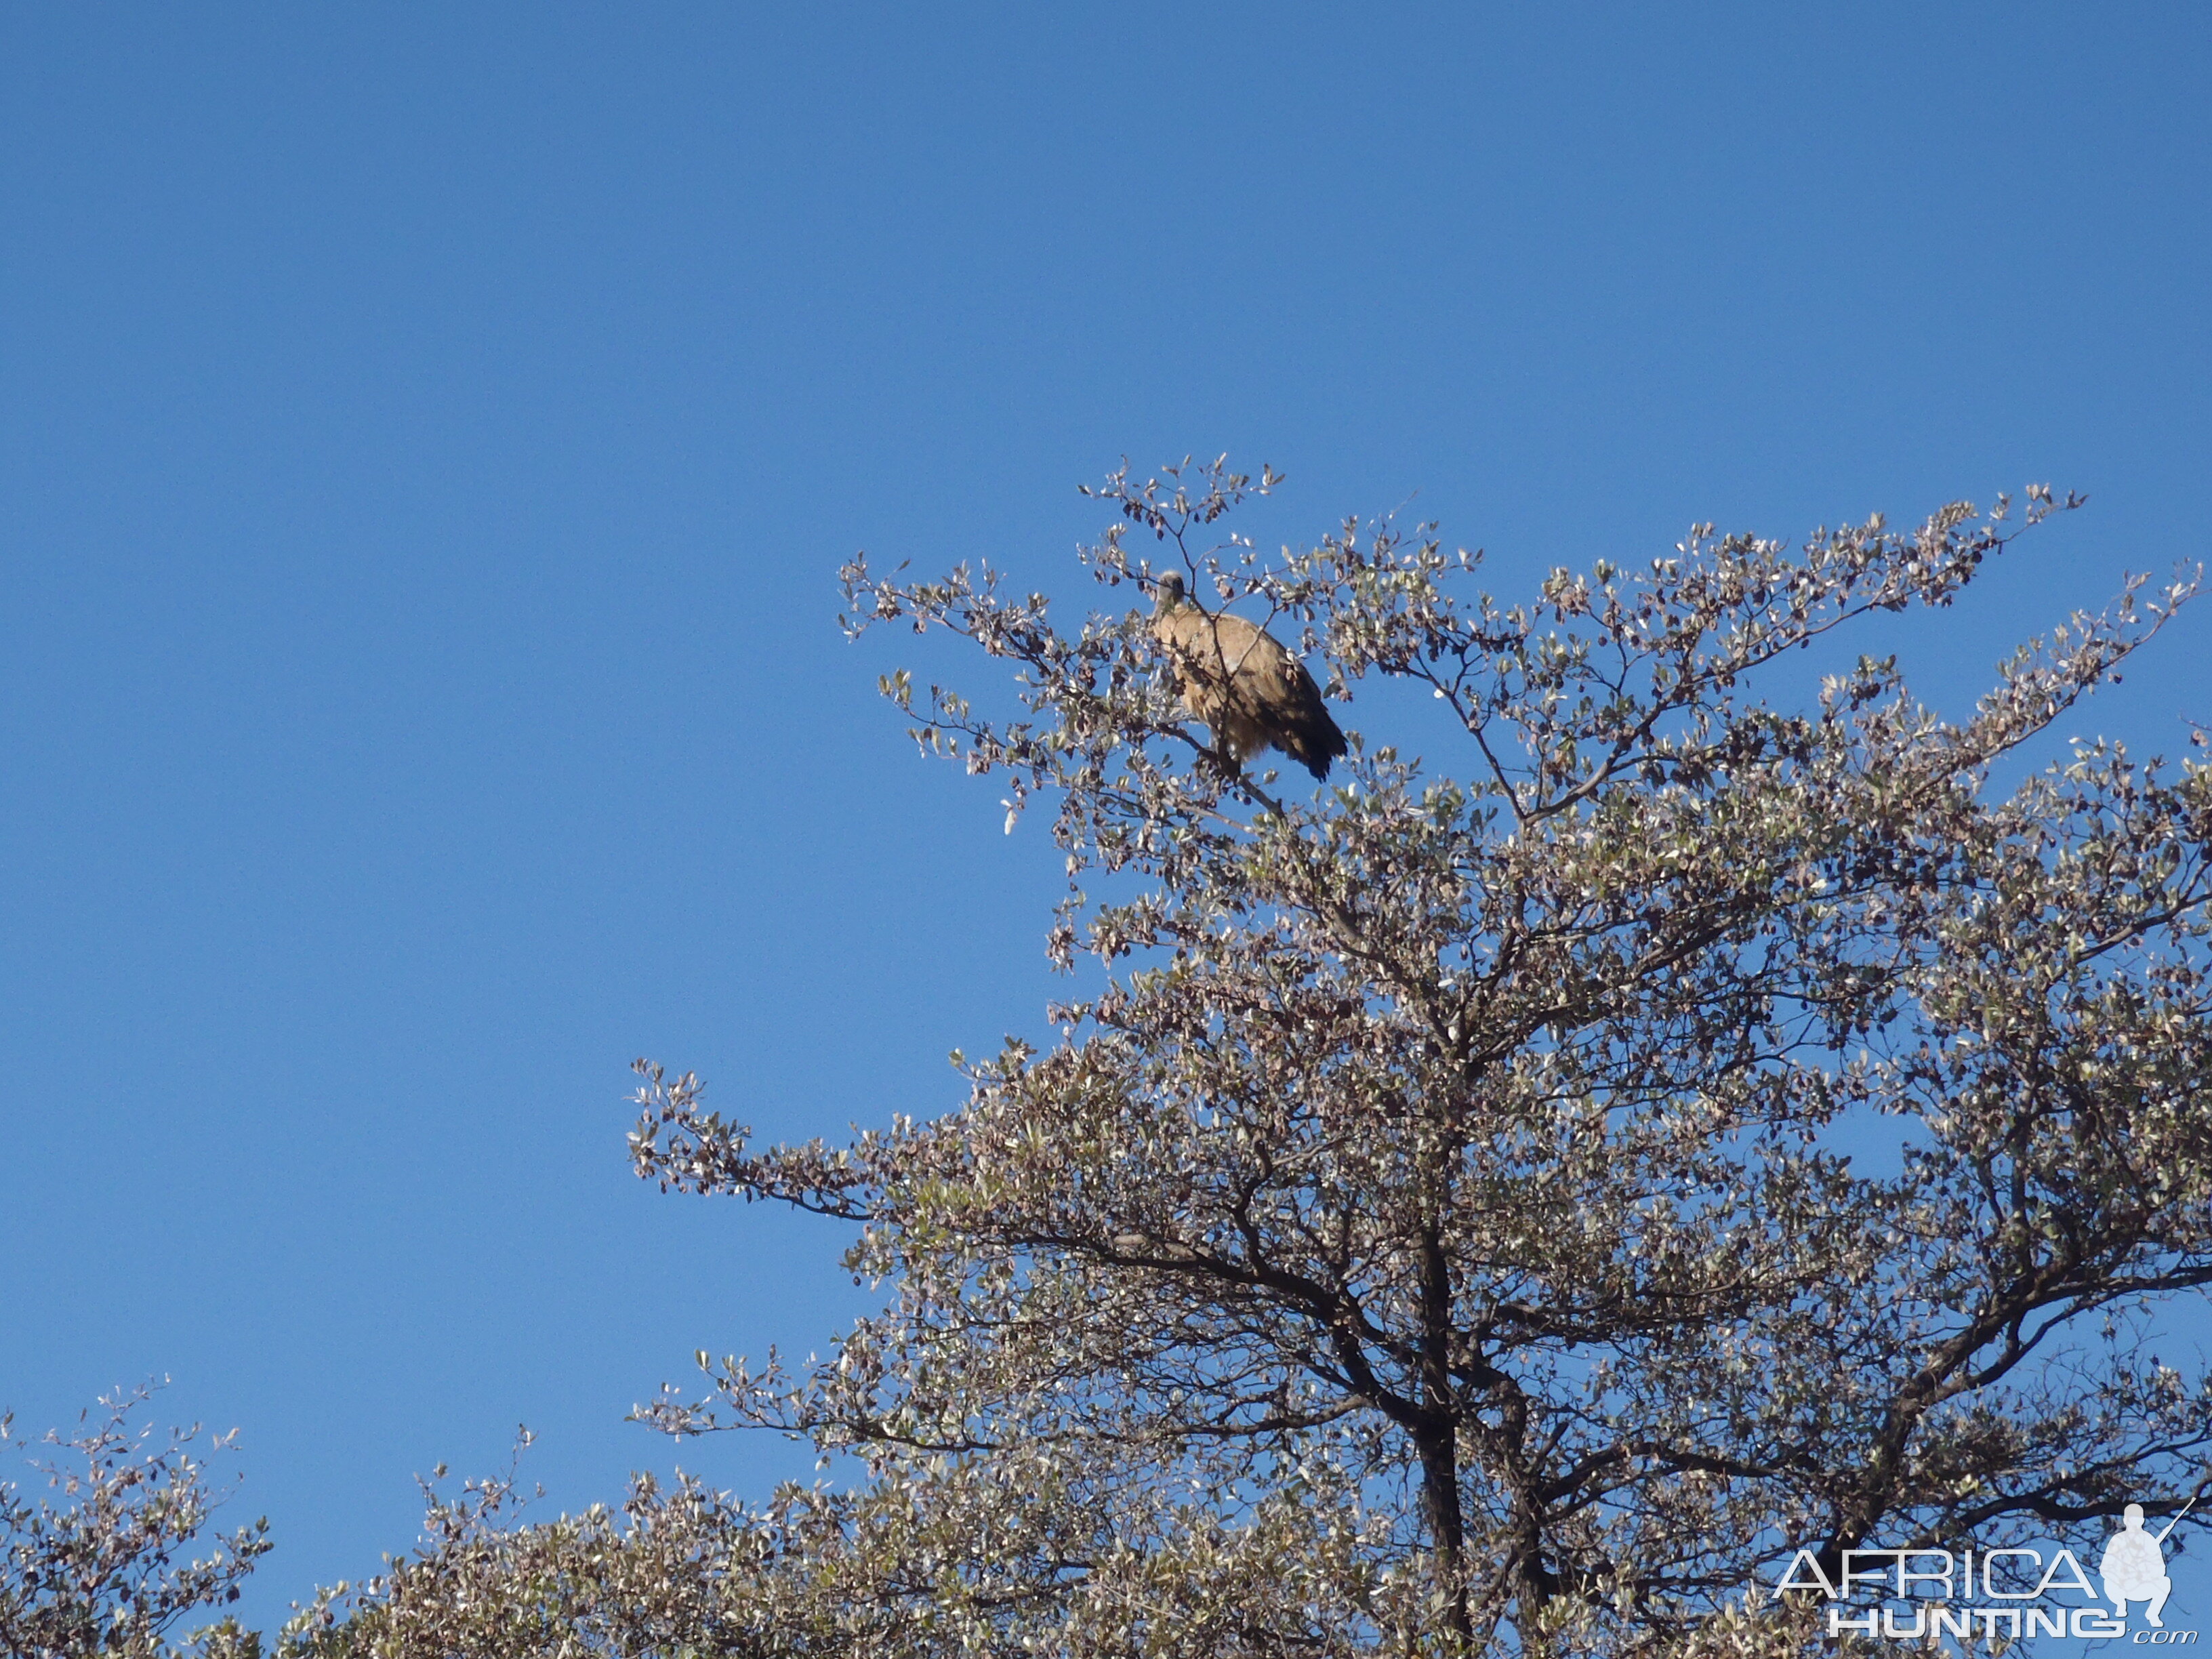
(1443, 1228)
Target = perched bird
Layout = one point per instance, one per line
(1251, 693)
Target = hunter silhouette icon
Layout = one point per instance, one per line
(2135, 1566)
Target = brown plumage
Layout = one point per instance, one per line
(1251, 693)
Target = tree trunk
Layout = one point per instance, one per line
(1438, 1436)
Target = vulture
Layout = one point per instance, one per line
(1251, 693)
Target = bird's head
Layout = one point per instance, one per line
(1167, 591)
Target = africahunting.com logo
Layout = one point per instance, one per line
(1931, 1594)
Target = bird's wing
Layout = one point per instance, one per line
(1275, 681)
(1213, 644)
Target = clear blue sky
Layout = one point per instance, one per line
(430, 433)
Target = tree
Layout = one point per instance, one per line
(102, 1572)
(1440, 1228)
(1505, 1209)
